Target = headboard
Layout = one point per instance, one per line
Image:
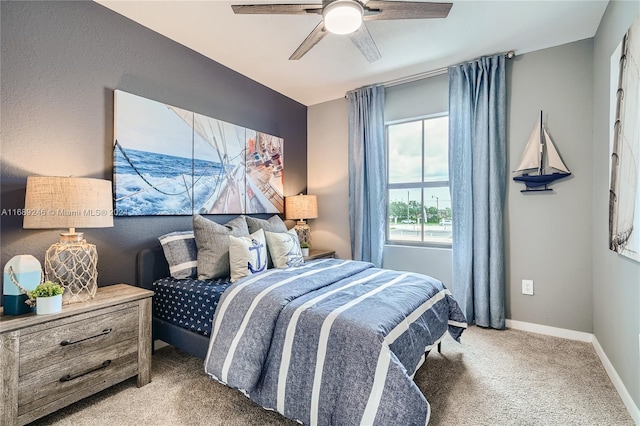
(151, 265)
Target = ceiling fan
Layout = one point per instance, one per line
(347, 16)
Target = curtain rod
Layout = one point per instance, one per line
(509, 55)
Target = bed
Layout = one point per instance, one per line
(152, 266)
(327, 342)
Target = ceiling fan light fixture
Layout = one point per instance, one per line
(343, 16)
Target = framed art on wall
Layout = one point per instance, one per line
(171, 161)
(624, 182)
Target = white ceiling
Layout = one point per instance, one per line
(259, 46)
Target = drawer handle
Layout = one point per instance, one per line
(72, 342)
(70, 377)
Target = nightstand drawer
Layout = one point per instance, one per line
(62, 343)
(57, 381)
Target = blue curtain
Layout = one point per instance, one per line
(367, 174)
(477, 177)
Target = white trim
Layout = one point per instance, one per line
(550, 331)
(627, 400)
(418, 118)
(632, 408)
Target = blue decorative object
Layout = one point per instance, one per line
(27, 272)
(540, 164)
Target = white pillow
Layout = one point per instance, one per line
(247, 255)
(284, 248)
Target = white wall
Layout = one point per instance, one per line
(419, 98)
(435, 262)
(328, 175)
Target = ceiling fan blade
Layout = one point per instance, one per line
(277, 9)
(376, 10)
(312, 39)
(363, 41)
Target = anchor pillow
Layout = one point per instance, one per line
(247, 255)
(273, 224)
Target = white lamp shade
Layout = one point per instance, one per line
(53, 202)
(300, 207)
(343, 16)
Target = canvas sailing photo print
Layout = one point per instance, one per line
(171, 161)
(624, 182)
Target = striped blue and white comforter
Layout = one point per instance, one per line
(332, 342)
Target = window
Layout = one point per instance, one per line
(419, 210)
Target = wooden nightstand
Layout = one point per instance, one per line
(50, 361)
(320, 254)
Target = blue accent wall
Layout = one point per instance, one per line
(61, 62)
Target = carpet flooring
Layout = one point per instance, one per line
(506, 377)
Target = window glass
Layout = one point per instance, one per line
(405, 152)
(419, 209)
(405, 214)
(436, 156)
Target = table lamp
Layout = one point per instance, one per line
(301, 207)
(53, 202)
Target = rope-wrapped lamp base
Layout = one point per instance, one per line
(303, 231)
(74, 267)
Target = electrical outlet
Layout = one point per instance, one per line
(527, 287)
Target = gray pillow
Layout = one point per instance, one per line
(212, 240)
(273, 224)
(181, 253)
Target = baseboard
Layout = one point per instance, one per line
(627, 400)
(632, 408)
(550, 331)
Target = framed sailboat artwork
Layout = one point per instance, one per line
(540, 164)
(624, 146)
(171, 161)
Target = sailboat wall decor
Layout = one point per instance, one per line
(540, 164)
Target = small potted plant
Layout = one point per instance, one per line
(48, 297)
(305, 249)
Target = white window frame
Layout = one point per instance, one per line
(413, 185)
